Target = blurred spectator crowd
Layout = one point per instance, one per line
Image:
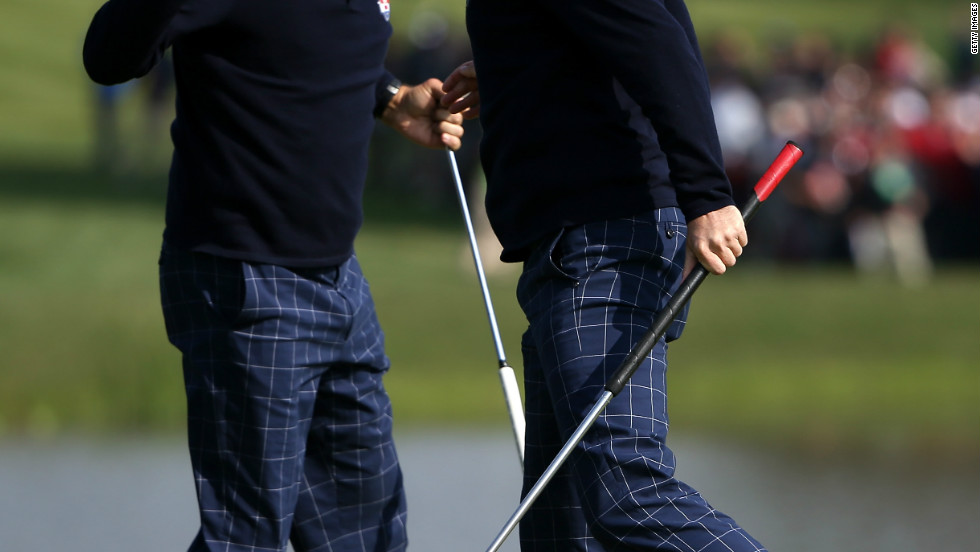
(890, 180)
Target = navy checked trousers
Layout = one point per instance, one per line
(590, 292)
(289, 425)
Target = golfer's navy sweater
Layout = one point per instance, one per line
(591, 109)
(274, 117)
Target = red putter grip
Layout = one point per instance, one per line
(788, 157)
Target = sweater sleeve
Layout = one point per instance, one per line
(652, 50)
(126, 38)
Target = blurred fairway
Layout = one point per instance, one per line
(810, 359)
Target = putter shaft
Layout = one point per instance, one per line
(508, 380)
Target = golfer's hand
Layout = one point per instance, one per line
(415, 112)
(462, 92)
(715, 240)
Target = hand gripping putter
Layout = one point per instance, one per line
(788, 157)
(512, 393)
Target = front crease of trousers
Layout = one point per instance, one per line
(289, 425)
(590, 292)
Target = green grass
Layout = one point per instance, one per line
(80, 328)
(45, 96)
(819, 358)
(850, 24)
(810, 360)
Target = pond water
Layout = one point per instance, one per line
(88, 495)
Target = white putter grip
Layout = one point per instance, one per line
(512, 394)
(508, 381)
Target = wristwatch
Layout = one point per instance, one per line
(385, 94)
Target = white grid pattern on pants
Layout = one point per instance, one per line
(289, 424)
(589, 295)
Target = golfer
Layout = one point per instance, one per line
(289, 424)
(605, 178)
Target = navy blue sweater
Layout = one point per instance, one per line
(591, 109)
(274, 117)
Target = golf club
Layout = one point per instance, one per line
(512, 393)
(788, 157)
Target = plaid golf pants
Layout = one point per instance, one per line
(289, 426)
(589, 294)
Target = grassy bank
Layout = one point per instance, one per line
(807, 359)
